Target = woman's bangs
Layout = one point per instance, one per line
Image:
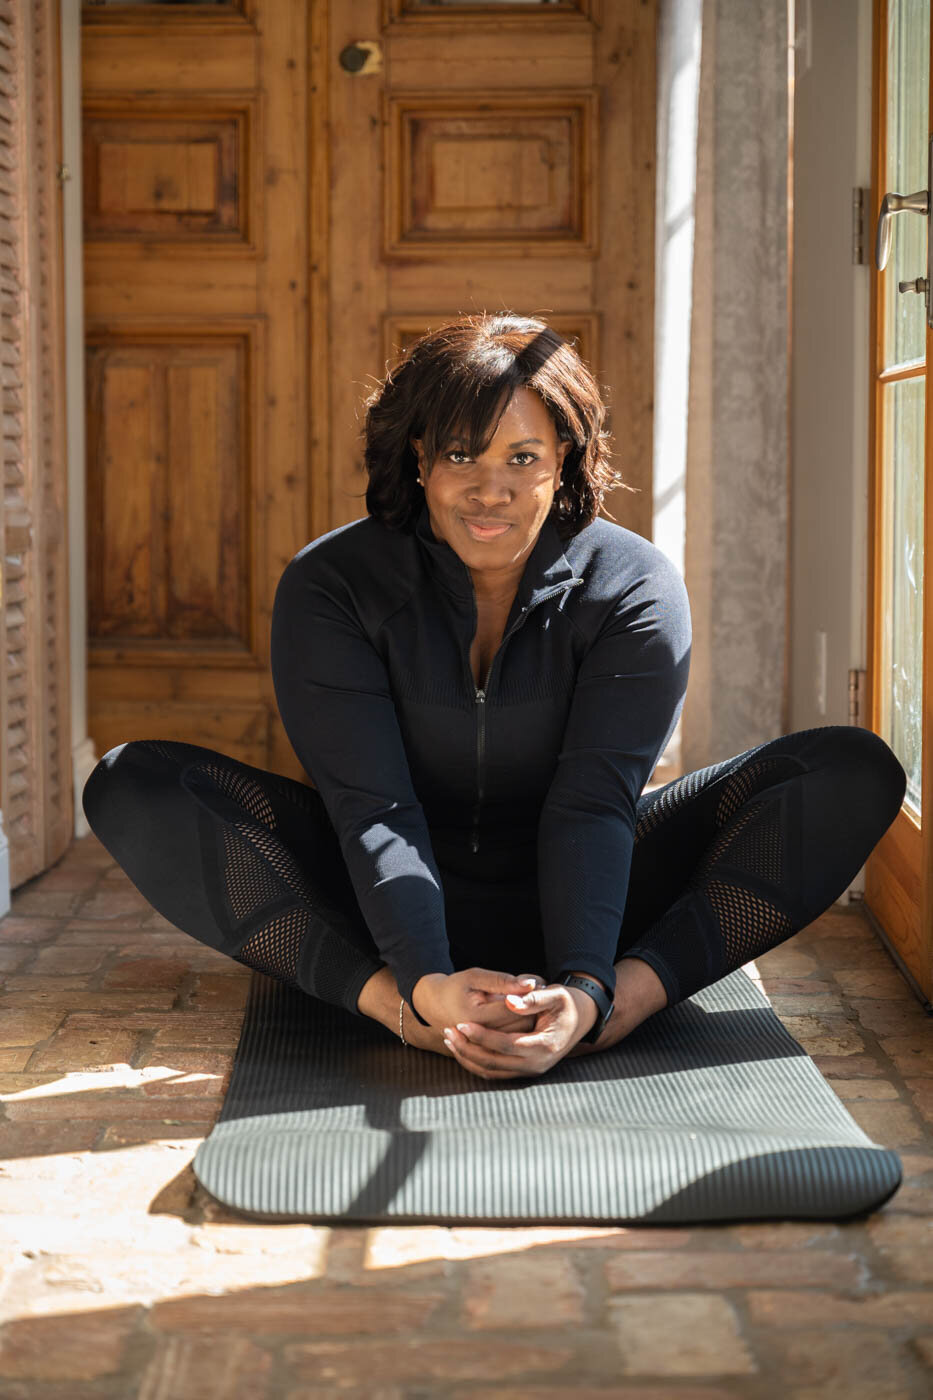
(467, 413)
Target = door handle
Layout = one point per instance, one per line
(361, 58)
(917, 203)
(892, 204)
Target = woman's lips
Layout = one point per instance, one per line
(486, 532)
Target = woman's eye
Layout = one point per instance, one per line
(528, 456)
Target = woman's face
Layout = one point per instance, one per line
(490, 509)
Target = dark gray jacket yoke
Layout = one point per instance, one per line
(482, 827)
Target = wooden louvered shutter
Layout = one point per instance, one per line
(35, 723)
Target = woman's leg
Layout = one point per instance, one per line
(243, 860)
(733, 859)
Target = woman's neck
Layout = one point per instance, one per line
(495, 589)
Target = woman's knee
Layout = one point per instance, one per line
(871, 760)
(867, 778)
(128, 774)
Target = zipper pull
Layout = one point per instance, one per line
(474, 842)
(480, 697)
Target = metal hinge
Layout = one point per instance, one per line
(858, 690)
(860, 225)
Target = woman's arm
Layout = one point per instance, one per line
(333, 694)
(628, 695)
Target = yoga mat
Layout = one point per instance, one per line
(709, 1110)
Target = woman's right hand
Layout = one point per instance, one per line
(476, 994)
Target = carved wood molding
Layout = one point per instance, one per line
(399, 331)
(169, 561)
(570, 14)
(172, 171)
(491, 173)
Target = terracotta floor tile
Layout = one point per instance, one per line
(121, 1276)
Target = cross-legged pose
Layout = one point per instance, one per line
(479, 677)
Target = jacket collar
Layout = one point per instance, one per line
(545, 569)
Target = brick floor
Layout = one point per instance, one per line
(120, 1277)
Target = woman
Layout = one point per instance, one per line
(479, 678)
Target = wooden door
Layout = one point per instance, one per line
(490, 157)
(279, 195)
(35, 713)
(899, 873)
(196, 226)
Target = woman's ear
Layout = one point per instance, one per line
(562, 449)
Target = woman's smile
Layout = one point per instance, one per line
(485, 530)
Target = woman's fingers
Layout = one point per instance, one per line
(483, 979)
(535, 1001)
(499, 1017)
(502, 1042)
(521, 1054)
(488, 1064)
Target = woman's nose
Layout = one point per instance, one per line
(489, 484)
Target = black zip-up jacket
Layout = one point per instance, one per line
(482, 827)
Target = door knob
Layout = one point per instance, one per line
(362, 57)
(916, 203)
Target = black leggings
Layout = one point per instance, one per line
(728, 861)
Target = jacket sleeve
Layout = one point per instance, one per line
(628, 697)
(333, 695)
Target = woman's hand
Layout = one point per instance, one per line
(562, 1015)
(497, 1011)
(477, 994)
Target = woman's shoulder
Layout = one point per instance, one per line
(615, 560)
(363, 561)
(361, 541)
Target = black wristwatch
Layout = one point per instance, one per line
(604, 1003)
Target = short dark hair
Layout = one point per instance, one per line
(457, 380)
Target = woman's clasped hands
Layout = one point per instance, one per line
(502, 1027)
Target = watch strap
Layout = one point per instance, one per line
(604, 1002)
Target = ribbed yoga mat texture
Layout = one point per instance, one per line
(710, 1110)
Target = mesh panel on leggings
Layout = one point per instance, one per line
(287, 928)
(276, 947)
(746, 844)
(748, 923)
(669, 799)
(699, 941)
(243, 790)
(748, 780)
(250, 883)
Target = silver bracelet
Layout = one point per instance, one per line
(401, 1027)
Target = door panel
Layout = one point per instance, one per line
(898, 889)
(195, 136)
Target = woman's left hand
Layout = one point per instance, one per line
(562, 1015)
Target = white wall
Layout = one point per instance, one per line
(829, 369)
(830, 358)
